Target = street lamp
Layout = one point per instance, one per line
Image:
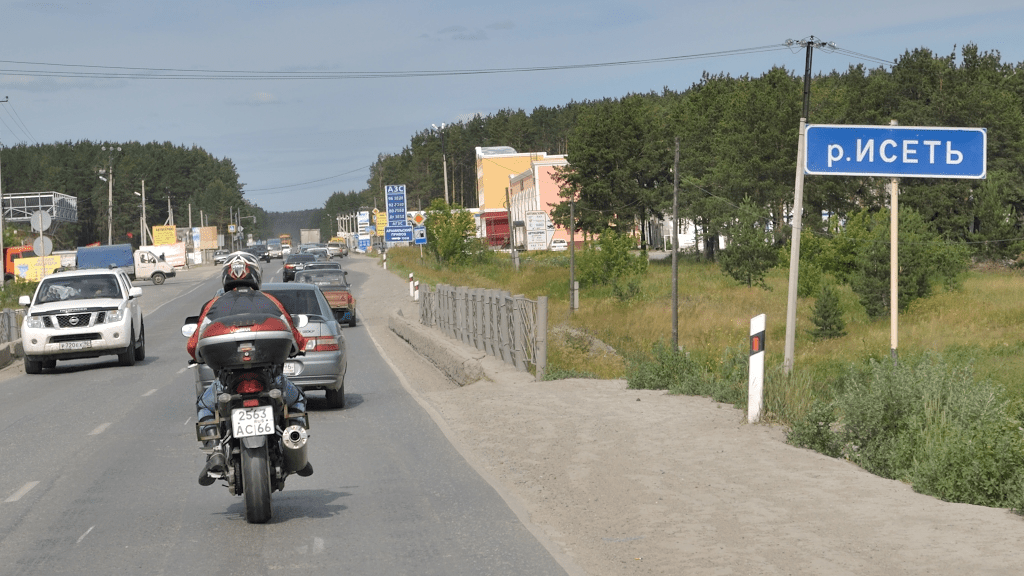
(444, 160)
(110, 190)
(142, 219)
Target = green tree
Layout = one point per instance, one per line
(827, 315)
(925, 260)
(750, 253)
(449, 232)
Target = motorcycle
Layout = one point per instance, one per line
(261, 441)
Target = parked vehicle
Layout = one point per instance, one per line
(294, 263)
(139, 265)
(83, 314)
(559, 245)
(260, 439)
(333, 282)
(325, 362)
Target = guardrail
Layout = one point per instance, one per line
(511, 328)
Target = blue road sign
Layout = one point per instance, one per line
(394, 197)
(398, 233)
(895, 151)
(419, 234)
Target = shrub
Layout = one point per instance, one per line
(928, 424)
(750, 253)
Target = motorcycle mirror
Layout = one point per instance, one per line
(300, 320)
(188, 330)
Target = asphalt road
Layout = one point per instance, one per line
(98, 467)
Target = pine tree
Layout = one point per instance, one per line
(828, 315)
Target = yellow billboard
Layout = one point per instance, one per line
(164, 235)
(32, 269)
(382, 221)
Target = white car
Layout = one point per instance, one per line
(559, 245)
(83, 314)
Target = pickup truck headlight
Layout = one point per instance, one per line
(34, 321)
(114, 316)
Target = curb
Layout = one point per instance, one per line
(462, 366)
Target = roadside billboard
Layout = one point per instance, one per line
(164, 235)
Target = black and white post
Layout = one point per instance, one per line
(755, 381)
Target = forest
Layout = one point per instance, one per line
(737, 140)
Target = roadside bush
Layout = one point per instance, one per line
(928, 424)
(610, 261)
(680, 372)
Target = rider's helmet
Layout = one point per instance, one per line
(240, 272)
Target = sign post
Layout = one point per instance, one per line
(885, 151)
(398, 228)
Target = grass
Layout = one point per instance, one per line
(979, 322)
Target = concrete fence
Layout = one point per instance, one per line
(511, 328)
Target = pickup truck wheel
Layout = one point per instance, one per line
(33, 366)
(158, 278)
(140, 350)
(352, 321)
(127, 358)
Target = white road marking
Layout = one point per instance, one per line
(150, 393)
(187, 421)
(82, 537)
(22, 491)
(180, 371)
(99, 429)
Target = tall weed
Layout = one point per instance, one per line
(927, 423)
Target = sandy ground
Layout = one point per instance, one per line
(617, 481)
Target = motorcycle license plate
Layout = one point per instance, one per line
(255, 421)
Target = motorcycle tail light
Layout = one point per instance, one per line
(249, 385)
(250, 403)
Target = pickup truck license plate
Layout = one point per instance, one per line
(256, 421)
(75, 345)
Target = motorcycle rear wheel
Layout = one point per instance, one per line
(256, 484)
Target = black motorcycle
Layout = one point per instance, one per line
(261, 441)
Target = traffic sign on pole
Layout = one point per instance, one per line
(395, 200)
(895, 151)
(398, 234)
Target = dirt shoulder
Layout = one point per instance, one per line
(618, 481)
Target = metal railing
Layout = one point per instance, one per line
(510, 328)
(10, 325)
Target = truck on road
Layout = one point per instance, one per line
(309, 236)
(140, 264)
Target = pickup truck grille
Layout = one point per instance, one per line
(73, 320)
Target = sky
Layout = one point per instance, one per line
(101, 70)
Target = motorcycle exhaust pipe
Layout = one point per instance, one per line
(293, 443)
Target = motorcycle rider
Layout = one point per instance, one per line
(242, 295)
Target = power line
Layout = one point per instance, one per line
(23, 126)
(144, 73)
(305, 183)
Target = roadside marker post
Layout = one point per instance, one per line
(410, 285)
(416, 292)
(755, 381)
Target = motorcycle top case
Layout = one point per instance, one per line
(245, 341)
